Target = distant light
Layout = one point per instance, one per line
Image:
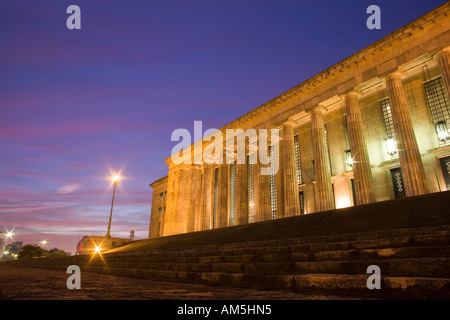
(9, 234)
(44, 242)
(116, 179)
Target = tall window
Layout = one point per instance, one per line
(297, 160)
(391, 142)
(301, 198)
(216, 189)
(232, 193)
(273, 185)
(439, 108)
(251, 188)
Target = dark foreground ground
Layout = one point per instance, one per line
(18, 283)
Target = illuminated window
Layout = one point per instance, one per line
(301, 198)
(387, 116)
(216, 188)
(232, 193)
(439, 108)
(297, 160)
(391, 142)
(273, 185)
(251, 188)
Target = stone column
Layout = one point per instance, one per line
(263, 209)
(362, 171)
(222, 194)
(177, 206)
(192, 172)
(207, 190)
(289, 170)
(241, 190)
(410, 161)
(324, 189)
(198, 196)
(444, 64)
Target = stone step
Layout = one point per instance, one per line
(286, 255)
(442, 238)
(334, 284)
(300, 241)
(391, 287)
(341, 255)
(366, 254)
(418, 267)
(379, 234)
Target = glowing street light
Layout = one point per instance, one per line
(44, 242)
(97, 249)
(116, 181)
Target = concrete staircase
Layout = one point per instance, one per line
(414, 260)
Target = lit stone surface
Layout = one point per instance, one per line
(394, 68)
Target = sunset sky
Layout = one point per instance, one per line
(77, 106)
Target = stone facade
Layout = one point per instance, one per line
(371, 128)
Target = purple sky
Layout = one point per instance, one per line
(78, 105)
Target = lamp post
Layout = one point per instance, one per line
(116, 181)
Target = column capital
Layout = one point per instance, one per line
(397, 74)
(353, 93)
(289, 123)
(317, 109)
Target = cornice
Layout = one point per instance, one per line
(403, 32)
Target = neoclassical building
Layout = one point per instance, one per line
(373, 127)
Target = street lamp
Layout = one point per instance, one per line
(116, 181)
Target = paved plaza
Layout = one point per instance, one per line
(18, 283)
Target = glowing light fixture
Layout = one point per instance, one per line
(44, 242)
(348, 158)
(391, 146)
(442, 131)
